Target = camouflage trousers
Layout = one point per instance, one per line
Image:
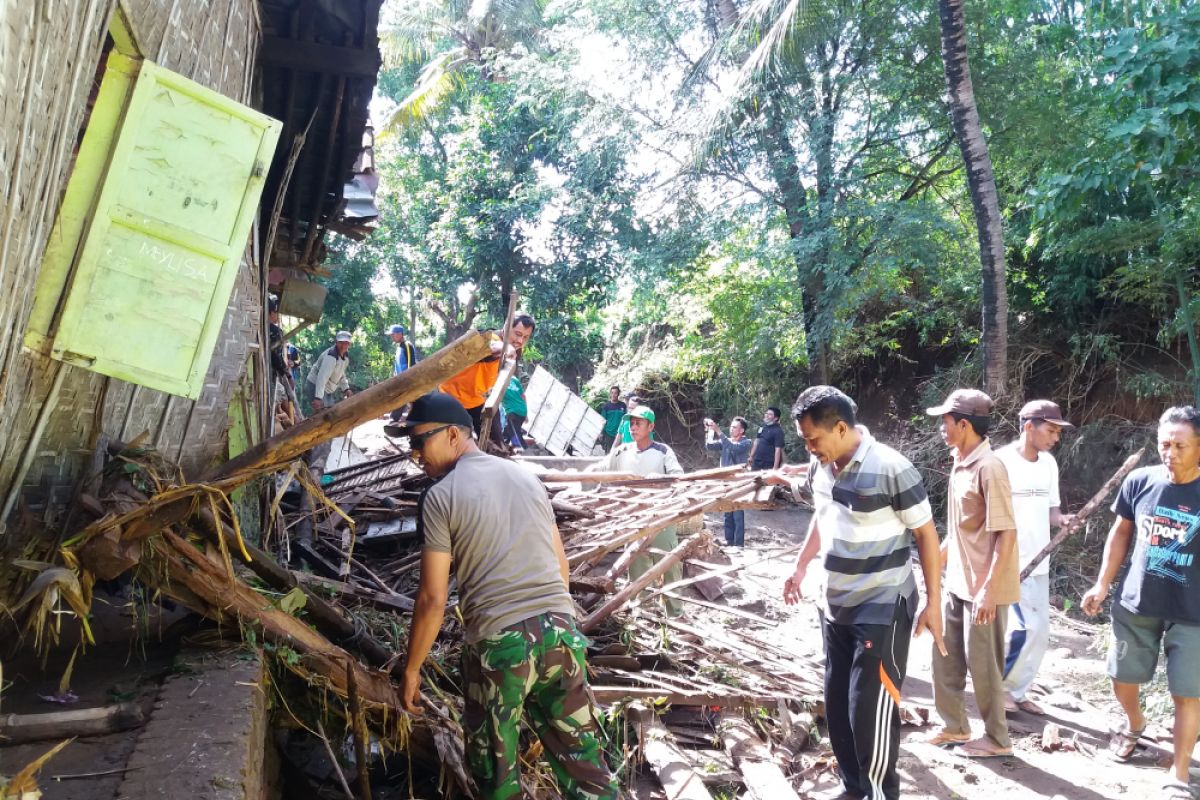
(666, 540)
(536, 667)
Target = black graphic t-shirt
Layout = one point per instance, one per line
(1163, 579)
(769, 438)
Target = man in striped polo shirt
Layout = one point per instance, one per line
(867, 498)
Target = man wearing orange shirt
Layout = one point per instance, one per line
(471, 386)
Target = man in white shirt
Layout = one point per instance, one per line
(1033, 475)
(647, 458)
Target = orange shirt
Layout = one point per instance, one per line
(471, 386)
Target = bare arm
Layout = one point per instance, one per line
(778, 457)
(750, 458)
(564, 568)
(929, 552)
(1004, 546)
(427, 621)
(812, 546)
(1116, 548)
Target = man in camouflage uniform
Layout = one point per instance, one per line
(492, 520)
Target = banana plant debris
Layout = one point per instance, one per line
(328, 596)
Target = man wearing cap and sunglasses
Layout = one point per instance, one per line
(980, 557)
(327, 382)
(491, 520)
(1033, 476)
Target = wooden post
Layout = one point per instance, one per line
(392, 393)
(498, 388)
(1084, 512)
(685, 549)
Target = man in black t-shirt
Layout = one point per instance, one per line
(1158, 601)
(767, 452)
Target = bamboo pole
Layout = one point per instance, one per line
(685, 549)
(1084, 512)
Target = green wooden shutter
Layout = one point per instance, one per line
(159, 260)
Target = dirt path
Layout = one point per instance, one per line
(1073, 683)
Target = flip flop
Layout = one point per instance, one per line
(945, 739)
(1125, 743)
(975, 750)
(1030, 707)
(1177, 790)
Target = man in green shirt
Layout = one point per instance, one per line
(613, 412)
(515, 412)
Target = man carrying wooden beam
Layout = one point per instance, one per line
(867, 497)
(492, 521)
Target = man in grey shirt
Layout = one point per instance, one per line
(492, 521)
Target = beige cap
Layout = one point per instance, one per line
(1045, 410)
(971, 402)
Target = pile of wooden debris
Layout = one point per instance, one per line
(338, 595)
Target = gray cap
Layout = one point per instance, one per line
(343, 336)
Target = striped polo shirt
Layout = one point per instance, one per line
(864, 516)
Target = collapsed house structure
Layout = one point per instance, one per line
(167, 164)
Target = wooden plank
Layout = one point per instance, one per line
(290, 54)
(761, 774)
(607, 695)
(678, 779)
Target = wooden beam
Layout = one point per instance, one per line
(763, 778)
(367, 404)
(682, 551)
(278, 51)
(607, 695)
(675, 773)
(18, 728)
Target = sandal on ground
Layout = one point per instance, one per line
(1177, 790)
(982, 748)
(944, 738)
(1125, 743)
(1030, 707)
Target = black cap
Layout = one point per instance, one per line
(437, 407)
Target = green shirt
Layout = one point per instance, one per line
(612, 413)
(514, 398)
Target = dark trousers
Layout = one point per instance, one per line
(735, 528)
(477, 420)
(864, 670)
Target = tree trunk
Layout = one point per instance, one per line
(985, 200)
(785, 171)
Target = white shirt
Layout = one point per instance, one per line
(657, 459)
(1034, 493)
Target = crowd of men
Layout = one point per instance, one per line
(524, 656)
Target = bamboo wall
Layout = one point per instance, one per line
(49, 52)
